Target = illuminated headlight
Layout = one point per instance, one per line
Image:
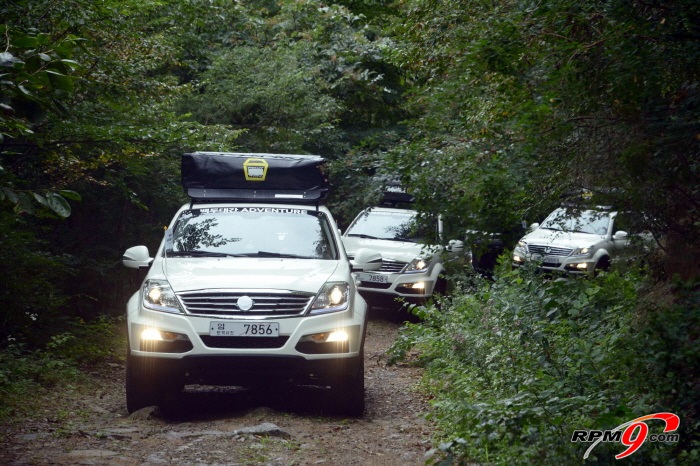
(582, 251)
(333, 297)
(518, 259)
(158, 295)
(418, 264)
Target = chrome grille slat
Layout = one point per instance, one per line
(389, 265)
(224, 303)
(540, 249)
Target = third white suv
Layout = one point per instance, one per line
(574, 241)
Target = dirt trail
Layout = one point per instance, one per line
(230, 427)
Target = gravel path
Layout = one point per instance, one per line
(231, 426)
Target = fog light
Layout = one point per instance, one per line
(337, 336)
(151, 334)
(517, 258)
(582, 266)
(414, 286)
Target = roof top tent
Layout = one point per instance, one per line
(254, 177)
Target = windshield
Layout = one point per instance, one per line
(253, 232)
(394, 226)
(586, 221)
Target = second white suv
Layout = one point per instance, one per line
(410, 271)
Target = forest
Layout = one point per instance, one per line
(489, 111)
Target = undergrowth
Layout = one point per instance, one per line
(516, 364)
(27, 373)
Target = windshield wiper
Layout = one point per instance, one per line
(198, 253)
(405, 240)
(280, 254)
(360, 235)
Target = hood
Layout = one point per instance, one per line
(396, 250)
(562, 239)
(190, 273)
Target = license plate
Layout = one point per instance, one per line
(373, 278)
(550, 259)
(244, 329)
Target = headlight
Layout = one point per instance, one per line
(158, 295)
(418, 264)
(582, 251)
(521, 245)
(333, 297)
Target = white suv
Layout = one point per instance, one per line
(250, 286)
(409, 271)
(574, 241)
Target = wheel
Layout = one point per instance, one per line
(146, 385)
(440, 287)
(603, 265)
(349, 393)
(139, 392)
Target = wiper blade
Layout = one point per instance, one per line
(360, 235)
(280, 254)
(197, 253)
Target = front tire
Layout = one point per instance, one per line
(603, 265)
(349, 393)
(139, 393)
(147, 385)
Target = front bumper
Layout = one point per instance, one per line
(246, 370)
(577, 265)
(197, 357)
(399, 288)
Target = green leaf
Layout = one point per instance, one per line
(60, 81)
(41, 200)
(72, 64)
(26, 42)
(11, 195)
(24, 204)
(58, 204)
(72, 195)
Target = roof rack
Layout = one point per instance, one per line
(253, 177)
(393, 192)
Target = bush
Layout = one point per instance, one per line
(516, 365)
(27, 372)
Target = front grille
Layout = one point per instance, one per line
(548, 250)
(389, 265)
(244, 342)
(265, 303)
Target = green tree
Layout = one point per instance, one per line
(539, 99)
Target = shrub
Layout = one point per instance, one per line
(514, 366)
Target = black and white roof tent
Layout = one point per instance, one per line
(226, 176)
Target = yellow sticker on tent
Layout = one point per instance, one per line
(255, 169)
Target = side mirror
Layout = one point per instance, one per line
(366, 260)
(455, 246)
(534, 226)
(620, 235)
(137, 258)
